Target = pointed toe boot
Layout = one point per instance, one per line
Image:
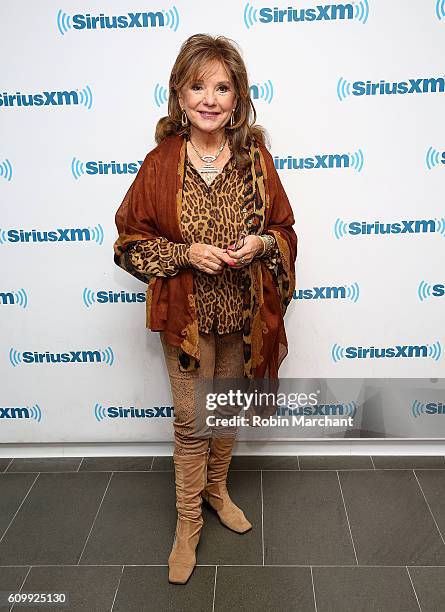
(190, 475)
(215, 493)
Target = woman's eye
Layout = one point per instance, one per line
(222, 88)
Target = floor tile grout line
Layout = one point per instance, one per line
(117, 588)
(262, 513)
(7, 467)
(347, 518)
(18, 509)
(412, 584)
(429, 508)
(214, 589)
(313, 590)
(21, 586)
(148, 471)
(372, 461)
(349, 565)
(81, 461)
(95, 517)
(392, 469)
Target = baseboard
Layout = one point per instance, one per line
(302, 447)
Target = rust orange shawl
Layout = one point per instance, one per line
(152, 207)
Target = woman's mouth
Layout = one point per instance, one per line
(208, 115)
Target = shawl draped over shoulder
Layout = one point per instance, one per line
(151, 209)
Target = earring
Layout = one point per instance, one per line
(184, 119)
(232, 118)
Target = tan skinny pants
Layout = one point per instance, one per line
(221, 358)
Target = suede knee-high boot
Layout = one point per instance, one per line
(190, 475)
(215, 492)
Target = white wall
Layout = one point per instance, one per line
(304, 74)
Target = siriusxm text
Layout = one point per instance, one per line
(43, 98)
(371, 352)
(113, 167)
(119, 412)
(57, 235)
(413, 226)
(129, 20)
(94, 356)
(411, 86)
(321, 293)
(114, 297)
(319, 409)
(327, 12)
(336, 160)
(434, 408)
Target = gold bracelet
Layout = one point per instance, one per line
(263, 240)
(268, 242)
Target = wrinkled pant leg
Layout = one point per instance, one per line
(190, 430)
(228, 374)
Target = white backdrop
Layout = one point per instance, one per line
(356, 157)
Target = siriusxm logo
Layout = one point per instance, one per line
(377, 228)
(72, 97)
(91, 297)
(79, 168)
(70, 234)
(434, 351)
(258, 91)
(342, 292)
(160, 19)
(6, 170)
(21, 412)
(419, 408)
(327, 12)
(319, 410)
(262, 91)
(440, 9)
(382, 88)
(95, 356)
(426, 290)
(317, 162)
(160, 95)
(16, 298)
(434, 158)
(119, 412)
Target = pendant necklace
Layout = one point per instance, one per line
(209, 171)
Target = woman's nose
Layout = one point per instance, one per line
(209, 98)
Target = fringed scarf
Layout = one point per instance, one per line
(152, 207)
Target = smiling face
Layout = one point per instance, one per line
(208, 101)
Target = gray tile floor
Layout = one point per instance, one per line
(330, 534)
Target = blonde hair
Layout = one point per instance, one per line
(195, 53)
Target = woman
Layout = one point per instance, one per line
(207, 224)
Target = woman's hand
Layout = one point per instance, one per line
(252, 246)
(209, 258)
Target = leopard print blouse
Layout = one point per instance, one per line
(211, 215)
